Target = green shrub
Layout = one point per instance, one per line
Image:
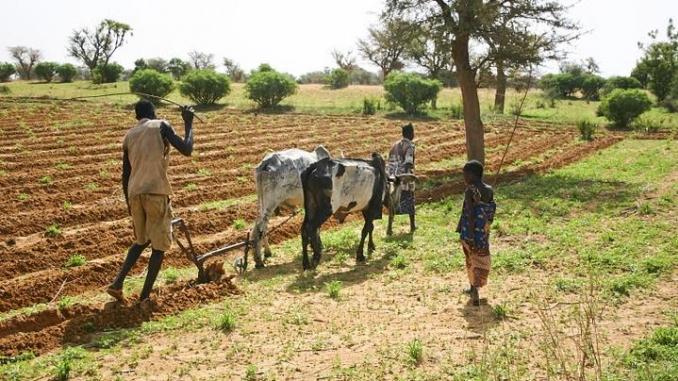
(560, 85)
(4, 89)
(333, 288)
(620, 82)
(151, 82)
(586, 129)
(66, 72)
(415, 351)
(205, 87)
(457, 111)
(410, 91)
(107, 73)
(623, 106)
(227, 321)
(75, 260)
(338, 79)
(46, 70)
(171, 275)
(268, 87)
(648, 124)
(53, 230)
(6, 71)
(370, 106)
(591, 86)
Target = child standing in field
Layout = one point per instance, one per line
(474, 227)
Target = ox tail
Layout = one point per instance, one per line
(379, 191)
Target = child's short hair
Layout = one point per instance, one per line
(475, 168)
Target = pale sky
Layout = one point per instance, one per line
(295, 36)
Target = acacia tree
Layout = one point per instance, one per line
(96, 47)
(201, 60)
(659, 64)
(466, 21)
(430, 49)
(234, 71)
(25, 58)
(344, 61)
(385, 46)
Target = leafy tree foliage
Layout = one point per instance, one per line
(471, 20)
(96, 47)
(385, 46)
(659, 63)
(205, 87)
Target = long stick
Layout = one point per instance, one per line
(515, 126)
(145, 95)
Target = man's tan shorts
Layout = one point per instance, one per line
(152, 219)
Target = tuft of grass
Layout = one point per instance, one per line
(239, 224)
(53, 230)
(191, 187)
(46, 180)
(75, 260)
(62, 369)
(23, 197)
(171, 275)
(227, 322)
(251, 373)
(500, 312)
(65, 302)
(333, 288)
(204, 172)
(399, 261)
(415, 352)
(63, 166)
(91, 186)
(586, 129)
(67, 205)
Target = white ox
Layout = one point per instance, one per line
(278, 178)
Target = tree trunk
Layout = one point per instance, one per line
(500, 95)
(475, 133)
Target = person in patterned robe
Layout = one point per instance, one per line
(401, 162)
(474, 227)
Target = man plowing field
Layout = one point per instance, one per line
(147, 189)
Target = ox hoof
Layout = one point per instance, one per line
(267, 254)
(360, 259)
(389, 233)
(259, 265)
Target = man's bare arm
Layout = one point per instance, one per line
(126, 172)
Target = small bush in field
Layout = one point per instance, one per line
(457, 111)
(66, 72)
(586, 129)
(151, 82)
(75, 260)
(333, 288)
(46, 70)
(624, 83)
(415, 351)
(410, 91)
(338, 79)
(205, 87)
(268, 87)
(227, 321)
(369, 106)
(108, 73)
(6, 71)
(4, 89)
(623, 106)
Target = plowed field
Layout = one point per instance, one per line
(60, 181)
